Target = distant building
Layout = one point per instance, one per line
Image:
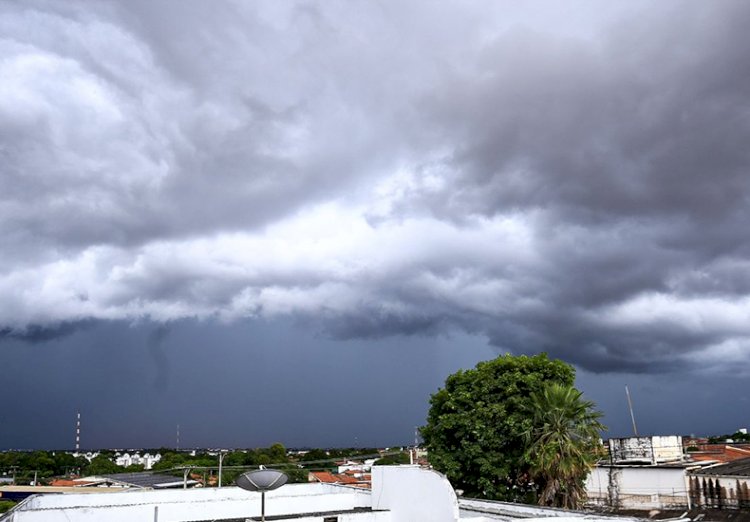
(127, 459)
(643, 473)
(722, 486)
(100, 484)
(720, 453)
(650, 450)
(348, 478)
(351, 465)
(640, 486)
(89, 455)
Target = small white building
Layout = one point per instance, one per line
(632, 486)
(127, 459)
(650, 450)
(643, 473)
(89, 455)
(360, 467)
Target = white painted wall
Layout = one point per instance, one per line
(475, 510)
(413, 494)
(733, 490)
(189, 505)
(651, 449)
(638, 486)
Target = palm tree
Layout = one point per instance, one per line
(563, 445)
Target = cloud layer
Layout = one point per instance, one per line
(552, 179)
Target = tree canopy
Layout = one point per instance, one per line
(401, 457)
(478, 425)
(737, 436)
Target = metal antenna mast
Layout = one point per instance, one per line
(630, 405)
(78, 431)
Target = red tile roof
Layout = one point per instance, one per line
(69, 483)
(719, 452)
(334, 478)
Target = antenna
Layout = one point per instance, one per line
(178, 437)
(78, 431)
(630, 405)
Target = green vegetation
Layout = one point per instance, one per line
(46, 464)
(325, 459)
(390, 460)
(101, 465)
(735, 437)
(275, 455)
(482, 425)
(563, 445)
(6, 505)
(49, 464)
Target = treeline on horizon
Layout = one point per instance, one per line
(47, 464)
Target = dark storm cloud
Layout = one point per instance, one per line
(35, 333)
(552, 177)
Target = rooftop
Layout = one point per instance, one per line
(399, 493)
(737, 468)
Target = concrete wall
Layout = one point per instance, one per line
(192, 504)
(647, 449)
(413, 494)
(638, 487)
(399, 494)
(721, 492)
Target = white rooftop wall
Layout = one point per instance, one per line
(413, 494)
(188, 505)
(638, 487)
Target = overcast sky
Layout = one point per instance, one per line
(349, 200)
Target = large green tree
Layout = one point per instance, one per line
(563, 445)
(476, 424)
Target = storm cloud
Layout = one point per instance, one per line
(557, 178)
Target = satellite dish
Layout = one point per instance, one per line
(262, 480)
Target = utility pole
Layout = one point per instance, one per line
(221, 458)
(413, 456)
(178, 438)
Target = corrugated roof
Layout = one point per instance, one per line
(737, 468)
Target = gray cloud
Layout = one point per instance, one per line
(548, 177)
